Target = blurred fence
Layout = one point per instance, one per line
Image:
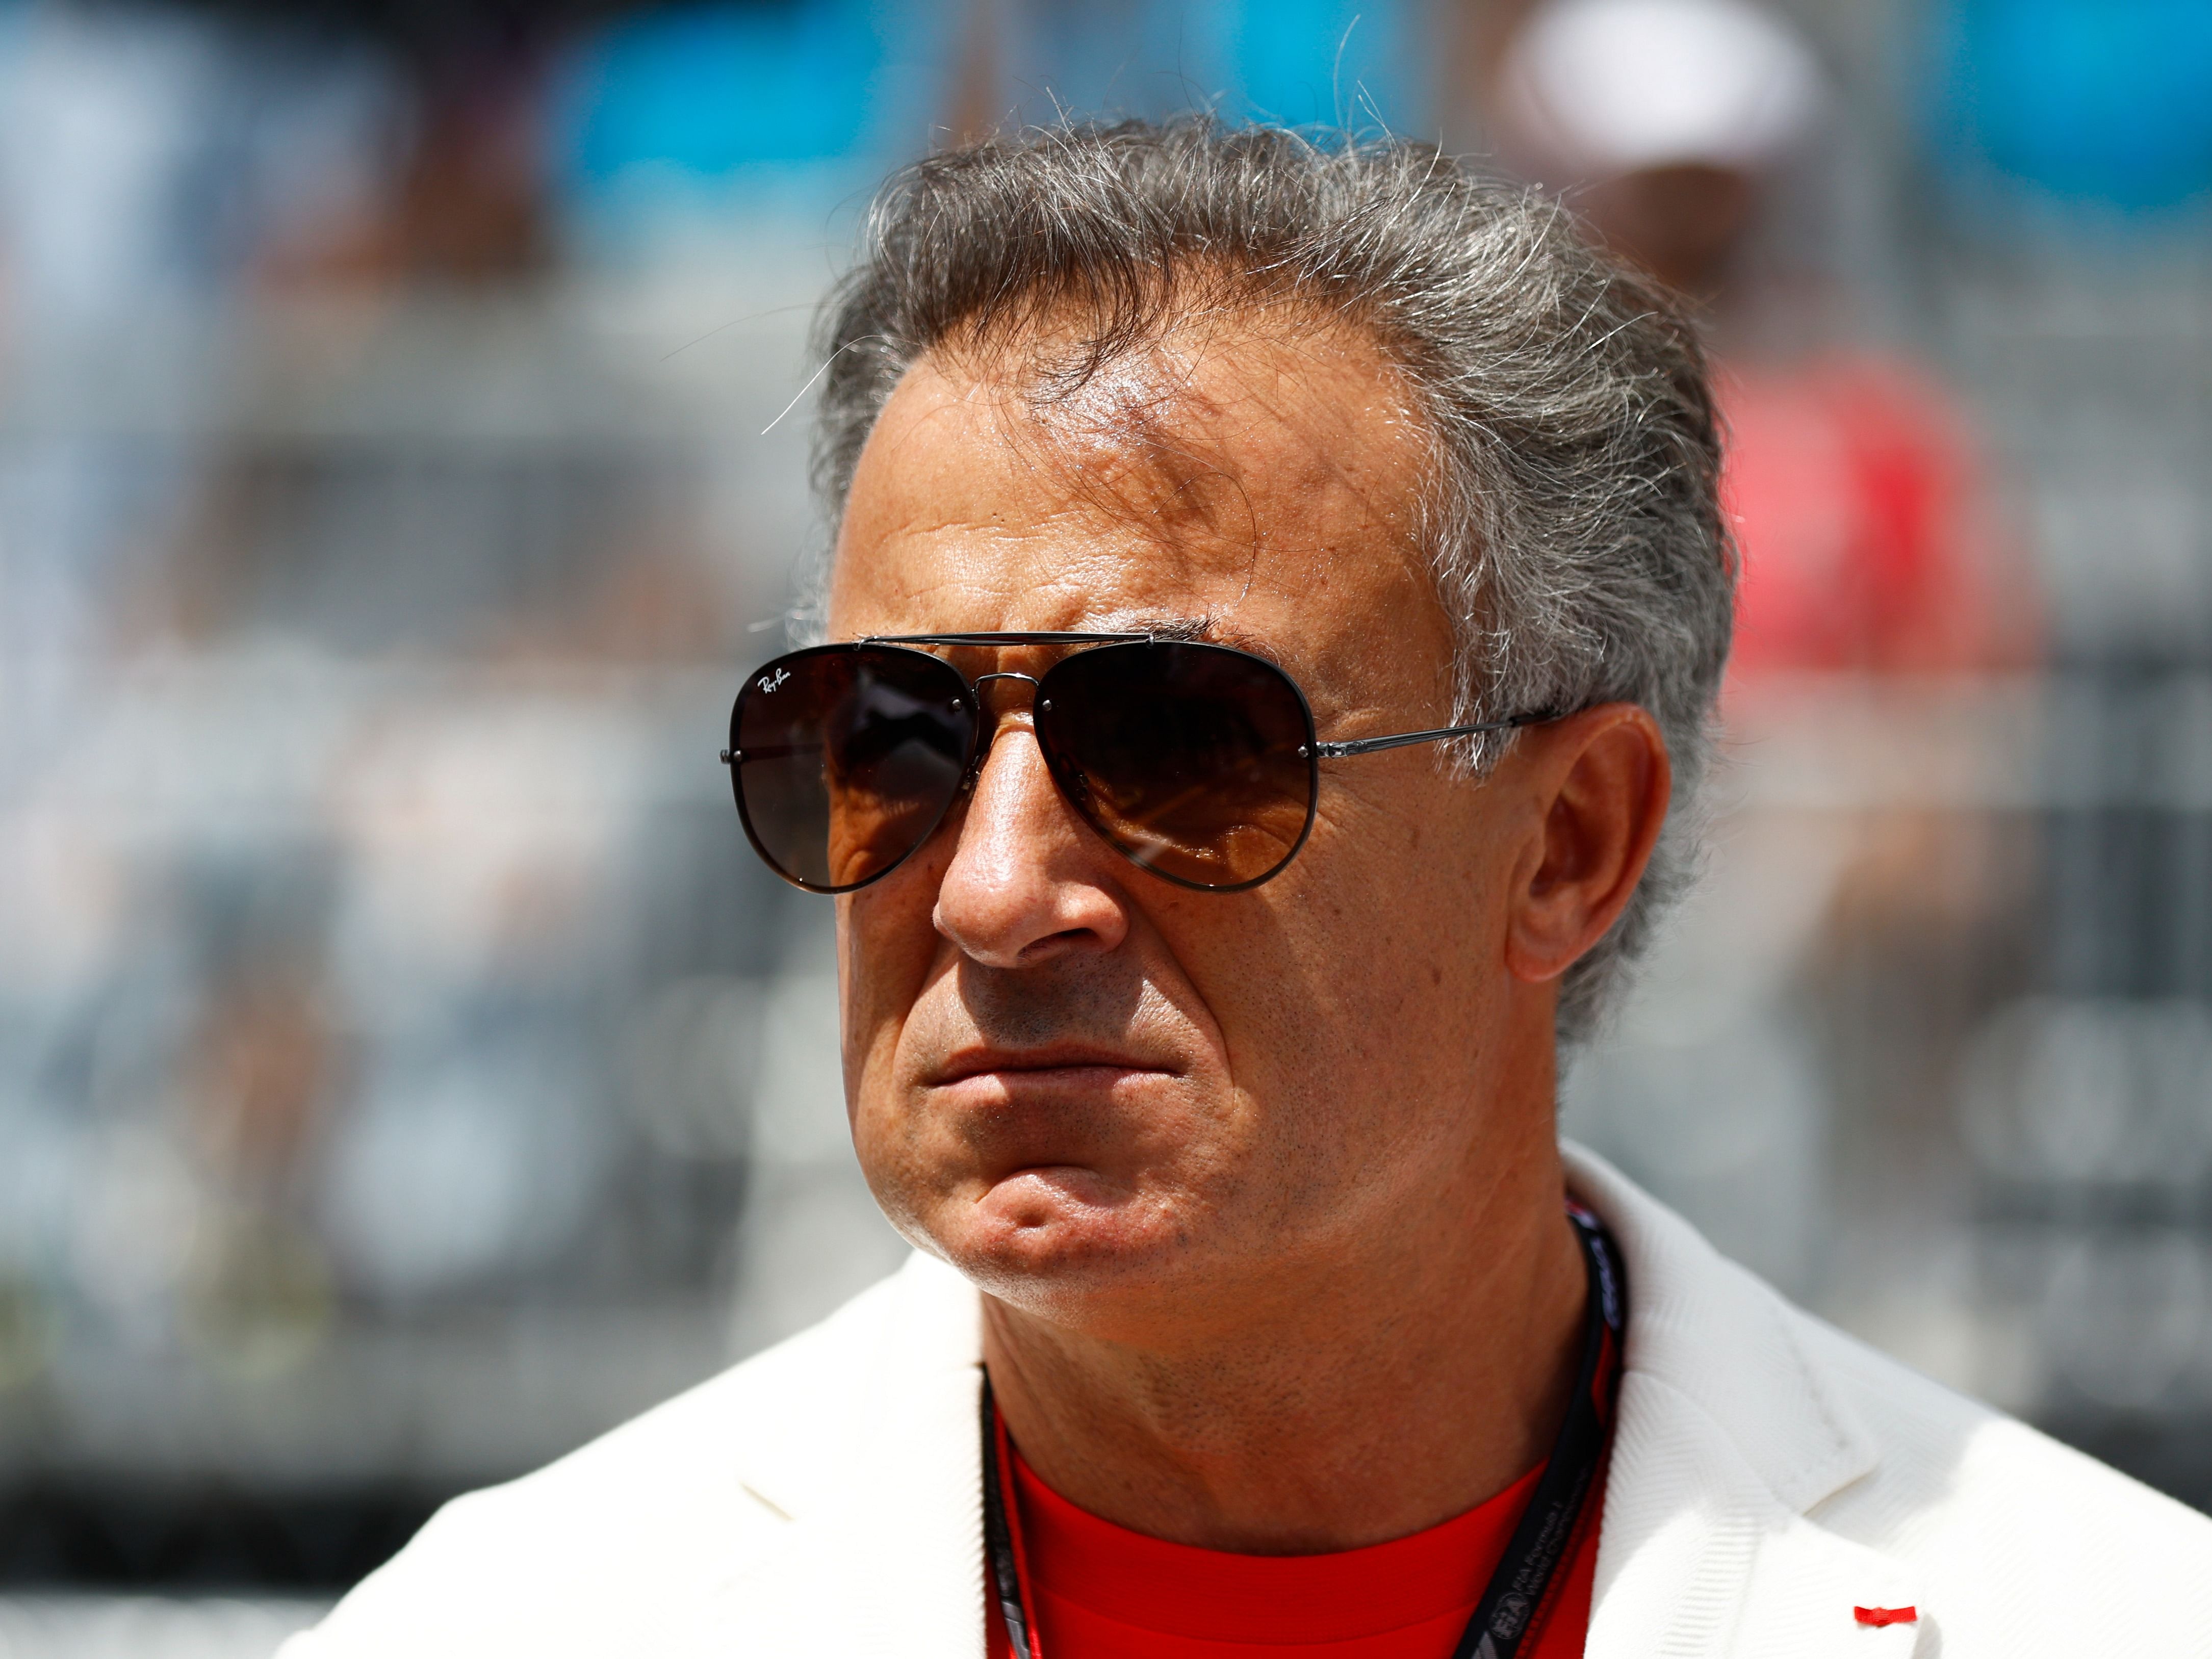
(405, 1070)
(2089, 1107)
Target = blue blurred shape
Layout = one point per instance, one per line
(674, 112)
(2107, 101)
(1331, 63)
(711, 88)
(1304, 62)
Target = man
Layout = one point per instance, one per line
(1206, 1045)
(1676, 127)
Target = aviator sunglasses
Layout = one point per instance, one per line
(1197, 762)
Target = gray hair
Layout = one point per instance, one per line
(1572, 520)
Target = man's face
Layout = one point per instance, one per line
(1082, 1084)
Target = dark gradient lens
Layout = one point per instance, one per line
(1195, 760)
(847, 759)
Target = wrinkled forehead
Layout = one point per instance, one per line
(1268, 400)
(1233, 459)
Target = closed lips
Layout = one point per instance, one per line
(979, 1063)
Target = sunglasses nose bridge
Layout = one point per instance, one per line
(991, 715)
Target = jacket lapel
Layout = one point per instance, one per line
(878, 1492)
(1729, 1433)
(1698, 1557)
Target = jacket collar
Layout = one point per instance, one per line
(1723, 1341)
(1729, 1431)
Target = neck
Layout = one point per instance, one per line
(1381, 1392)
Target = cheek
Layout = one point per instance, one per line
(887, 948)
(1381, 972)
(887, 956)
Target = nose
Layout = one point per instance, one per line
(1027, 882)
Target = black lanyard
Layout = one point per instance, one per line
(1526, 1582)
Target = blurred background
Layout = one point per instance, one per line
(405, 1070)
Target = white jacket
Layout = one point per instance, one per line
(1769, 1475)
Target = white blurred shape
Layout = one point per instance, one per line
(1600, 87)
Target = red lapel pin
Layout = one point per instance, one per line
(1887, 1615)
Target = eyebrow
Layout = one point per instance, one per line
(1219, 631)
(1201, 630)
(1173, 628)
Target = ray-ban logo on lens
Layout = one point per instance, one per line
(770, 682)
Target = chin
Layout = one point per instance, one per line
(1052, 1239)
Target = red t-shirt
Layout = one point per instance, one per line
(1100, 1591)
(1856, 499)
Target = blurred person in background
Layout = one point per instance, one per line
(1684, 133)
(1851, 479)
(1196, 486)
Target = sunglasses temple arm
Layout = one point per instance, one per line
(1402, 740)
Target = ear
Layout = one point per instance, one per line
(1600, 782)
